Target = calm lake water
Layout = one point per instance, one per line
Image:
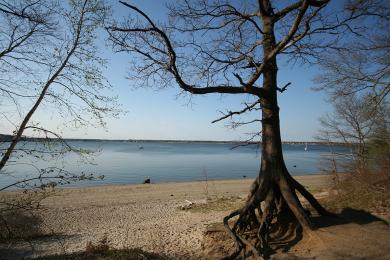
(128, 162)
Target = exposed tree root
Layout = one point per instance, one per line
(272, 209)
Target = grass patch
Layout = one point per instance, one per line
(131, 254)
(219, 204)
(369, 201)
(361, 194)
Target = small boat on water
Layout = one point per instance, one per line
(141, 147)
(306, 147)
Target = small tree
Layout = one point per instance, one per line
(48, 58)
(360, 64)
(379, 146)
(363, 127)
(356, 76)
(358, 123)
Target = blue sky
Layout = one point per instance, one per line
(163, 115)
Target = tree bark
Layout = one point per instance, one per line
(272, 162)
(273, 193)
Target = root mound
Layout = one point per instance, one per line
(352, 234)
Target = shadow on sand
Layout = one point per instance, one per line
(286, 237)
(291, 236)
(21, 235)
(346, 216)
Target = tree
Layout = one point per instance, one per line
(48, 58)
(229, 48)
(356, 121)
(355, 75)
(360, 64)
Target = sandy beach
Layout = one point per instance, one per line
(147, 216)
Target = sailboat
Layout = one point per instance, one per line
(306, 147)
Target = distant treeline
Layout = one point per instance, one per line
(8, 138)
(5, 138)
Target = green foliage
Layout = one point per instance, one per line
(370, 192)
(379, 151)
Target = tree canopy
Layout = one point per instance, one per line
(49, 59)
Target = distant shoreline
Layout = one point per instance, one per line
(319, 180)
(8, 138)
(313, 176)
(317, 177)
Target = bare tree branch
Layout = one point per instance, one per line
(232, 113)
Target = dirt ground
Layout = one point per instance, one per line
(353, 234)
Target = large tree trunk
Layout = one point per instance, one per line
(273, 193)
(273, 167)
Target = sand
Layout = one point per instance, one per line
(146, 216)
